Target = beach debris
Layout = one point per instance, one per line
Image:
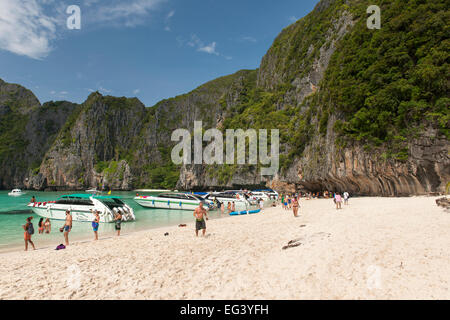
(182, 225)
(443, 202)
(293, 243)
(303, 225)
(166, 234)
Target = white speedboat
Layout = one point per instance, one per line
(174, 201)
(15, 193)
(81, 207)
(93, 190)
(240, 200)
(272, 194)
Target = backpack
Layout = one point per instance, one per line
(30, 229)
(60, 247)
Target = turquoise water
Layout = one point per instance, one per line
(14, 211)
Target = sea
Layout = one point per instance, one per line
(14, 211)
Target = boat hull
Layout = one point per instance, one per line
(166, 204)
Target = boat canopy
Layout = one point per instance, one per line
(88, 196)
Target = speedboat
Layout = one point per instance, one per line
(269, 192)
(82, 207)
(174, 201)
(15, 193)
(240, 201)
(93, 190)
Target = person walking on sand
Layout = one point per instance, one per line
(96, 224)
(346, 196)
(295, 206)
(67, 227)
(200, 215)
(338, 200)
(29, 230)
(118, 221)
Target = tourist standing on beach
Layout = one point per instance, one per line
(222, 207)
(96, 224)
(29, 230)
(118, 221)
(338, 200)
(346, 196)
(200, 215)
(67, 226)
(47, 225)
(41, 226)
(295, 206)
(229, 207)
(233, 207)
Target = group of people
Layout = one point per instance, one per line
(45, 226)
(338, 199)
(291, 201)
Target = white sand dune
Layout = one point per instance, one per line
(376, 248)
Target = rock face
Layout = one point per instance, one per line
(117, 143)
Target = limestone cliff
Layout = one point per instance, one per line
(366, 111)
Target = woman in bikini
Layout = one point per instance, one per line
(28, 231)
(295, 206)
(41, 226)
(47, 225)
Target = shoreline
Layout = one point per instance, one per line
(375, 248)
(84, 238)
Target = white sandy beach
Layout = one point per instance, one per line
(375, 248)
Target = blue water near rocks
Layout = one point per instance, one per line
(14, 211)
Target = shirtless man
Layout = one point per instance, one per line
(67, 226)
(200, 214)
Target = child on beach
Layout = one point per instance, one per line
(96, 224)
(29, 230)
(338, 200)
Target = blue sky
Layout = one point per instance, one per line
(151, 49)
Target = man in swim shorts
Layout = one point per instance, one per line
(67, 226)
(200, 215)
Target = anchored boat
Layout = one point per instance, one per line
(15, 193)
(175, 201)
(81, 207)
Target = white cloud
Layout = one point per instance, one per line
(104, 90)
(170, 14)
(210, 48)
(293, 19)
(128, 13)
(248, 39)
(196, 42)
(136, 91)
(25, 29)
